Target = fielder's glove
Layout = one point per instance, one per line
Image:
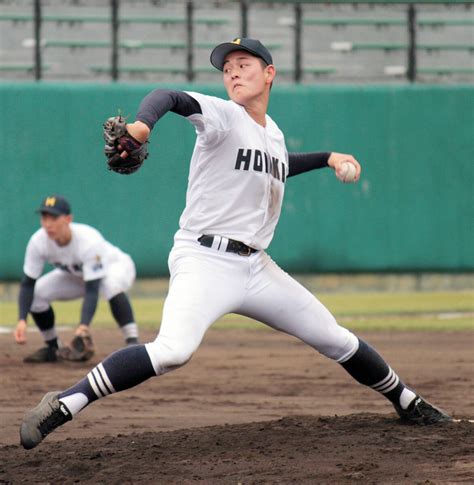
(80, 349)
(118, 140)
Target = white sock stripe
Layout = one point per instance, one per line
(130, 330)
(381, 387)
(105, 378)
(388, 384)
(393, 386)
(49, 334)
(93, 384)
(384, 380)
(100, 382)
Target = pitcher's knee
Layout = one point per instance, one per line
(342, 349)
(166, 355)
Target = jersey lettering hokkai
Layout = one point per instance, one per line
(237, 174)
(87, 256)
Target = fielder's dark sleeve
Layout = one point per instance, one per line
(304, 162)
(160, 101)
(25, 297)
(91, 298)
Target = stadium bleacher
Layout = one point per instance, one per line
(159, 40)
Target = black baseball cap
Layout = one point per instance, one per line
(255, 47)
(57, 205)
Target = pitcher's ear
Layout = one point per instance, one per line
(270, 72)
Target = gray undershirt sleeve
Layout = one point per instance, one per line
(25, 297)
(160, 101)
(89, 304)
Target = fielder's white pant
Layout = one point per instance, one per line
(61, 285)
(206, 284)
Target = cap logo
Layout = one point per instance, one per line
(50, 202)
(236, 41)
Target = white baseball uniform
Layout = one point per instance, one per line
(88, 256)
(218, 263)
(235, 191)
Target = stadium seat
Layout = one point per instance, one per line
(20, 67)
(106, 19)
(445, 22)
(8, 17)
(77, 44)
(211, 45)
(317, 71)
(396, 71)
(172, 20)
(345, 22)
(446, 70)
(124, 44)
(140, 69)
(446, 47)
(353, 46)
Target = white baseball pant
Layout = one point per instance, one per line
(61, 285)
(206, 284)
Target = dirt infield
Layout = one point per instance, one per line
(251, 407)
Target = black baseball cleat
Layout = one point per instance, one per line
(42, 355)
(422, 413)
(43, 419)
(131, 341)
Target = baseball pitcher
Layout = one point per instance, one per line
(218, 264)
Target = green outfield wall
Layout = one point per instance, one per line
(411, 211)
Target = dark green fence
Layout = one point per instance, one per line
(411, 211)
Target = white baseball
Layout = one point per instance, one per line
(348, 173)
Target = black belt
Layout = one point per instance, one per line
(232, 246)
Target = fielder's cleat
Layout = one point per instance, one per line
(44, 354)
(422, 413)
(43, 419)
(131, 341)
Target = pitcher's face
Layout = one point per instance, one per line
(245, 77)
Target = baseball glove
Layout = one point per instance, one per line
(125, 154)
(80, 349)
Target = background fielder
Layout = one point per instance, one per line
(85, 265)
(218, 263)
